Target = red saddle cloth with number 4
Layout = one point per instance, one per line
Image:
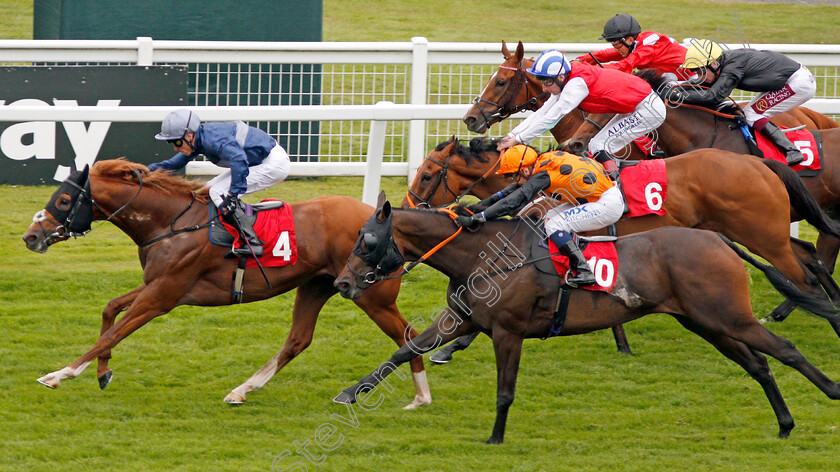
(603, 261)
(803, 139)
(645, 187)
(277, 229)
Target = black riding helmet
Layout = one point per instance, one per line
(620, 26)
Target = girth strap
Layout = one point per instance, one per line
(560, 311)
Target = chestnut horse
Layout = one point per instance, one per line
(182, 267)
(511, 90)
(695, 276)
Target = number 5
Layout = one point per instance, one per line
(805, 148)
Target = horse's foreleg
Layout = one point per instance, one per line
(440, 332)
(144, 308)
(444, 354)
(109, 314)
(309, 300)
(508, 348)
(378, 303)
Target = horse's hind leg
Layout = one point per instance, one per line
(310, 298)
(761, 339)
(755, 364)
(378, 301)
(109, 314)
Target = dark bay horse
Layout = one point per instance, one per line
(184, 268)
(695, 276)
(705, 190)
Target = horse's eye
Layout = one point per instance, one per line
(500, 83)
(63, 202)
(426, 177)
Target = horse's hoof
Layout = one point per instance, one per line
(344, 398)
(441, 357)
(234, 399)
(767, 319)
(494, 441)
(418, 402)
(105, 379)
(48, 381)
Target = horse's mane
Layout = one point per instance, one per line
(121, 169)
(478, 149)
(651, 76)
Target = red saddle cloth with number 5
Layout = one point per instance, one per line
(602, 259)
(803, 139)
(277, 229)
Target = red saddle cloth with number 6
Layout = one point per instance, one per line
(645, 187)
(277, 229)
(803, 139)
(602, 259)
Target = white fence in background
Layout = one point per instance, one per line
(431, 85)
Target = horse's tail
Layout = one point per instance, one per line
(819, 306)
(801, 200)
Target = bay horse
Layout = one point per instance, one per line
(511, 90)
(695, 276)
(182, 267)
(687, 127)
(705, 190)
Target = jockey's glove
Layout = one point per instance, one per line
(229, 204)
(472, 220)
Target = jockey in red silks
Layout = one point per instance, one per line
(633, 49)
(639, 110)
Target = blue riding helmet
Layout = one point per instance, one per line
(551, 63)
(177, 124)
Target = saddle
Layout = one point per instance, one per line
(220, 236)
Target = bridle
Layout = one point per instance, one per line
(444, 178)
(77, 221)
(503, 110)
(386, 261)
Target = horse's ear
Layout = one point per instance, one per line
(383, 214)
(505, 52)
(381, 200)
(520, 52)
(453, 143)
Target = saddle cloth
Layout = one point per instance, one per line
(275, 226)
(808, 141)
(645, 187)
(603, 261)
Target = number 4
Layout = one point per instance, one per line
(282, 248)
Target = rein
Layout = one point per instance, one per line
(504, 110)
(444, 177)
(175, 232)
(373, 277)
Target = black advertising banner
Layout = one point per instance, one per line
(43, 152)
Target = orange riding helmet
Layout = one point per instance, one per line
(514, 158)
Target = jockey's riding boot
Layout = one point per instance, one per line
(577, 262)
(608, 162)
(240, 221)
(792, 153)
(657, 153)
